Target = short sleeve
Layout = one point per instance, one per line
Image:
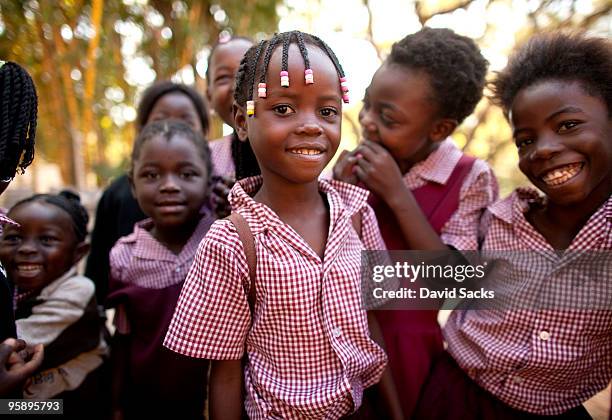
(479, 190)
(212, 317)
(370, 233)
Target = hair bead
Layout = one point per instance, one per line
(284, 76)
(308, 76)
(250, 108)
(261, 90)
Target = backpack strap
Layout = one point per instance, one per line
(248, 243)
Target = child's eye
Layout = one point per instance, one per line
(283, 110)
(386, 119)
(150, 176)
(329, 112)
(522, 143)
(567, 125)
(188, 174)
(46, 239)
(11, 239)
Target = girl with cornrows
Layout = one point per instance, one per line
(295, 309)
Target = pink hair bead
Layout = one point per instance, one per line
(284, 76)
(261, 90)
(308, 76)
(345, 98)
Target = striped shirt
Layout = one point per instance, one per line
(543, 361)
(308, 344)
(479, 190)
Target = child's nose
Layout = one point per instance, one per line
(169, 183)
(368, 126)
(27, 246)
(310, 129)
(546, 147)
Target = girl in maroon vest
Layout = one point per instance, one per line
(427, 194)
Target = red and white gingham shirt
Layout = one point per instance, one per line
(221, 156)
(5, 220)
(543, 361)
(309, 348)
(478, 191)
(141, 260)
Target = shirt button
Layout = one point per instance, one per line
(544, 335)
(178, 269)
(336, 332)
(517, 379)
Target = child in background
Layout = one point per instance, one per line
(118, 210)
(170, 176)
(557, 94)
(306, 338)
(54, 305)
(223, 62)
(428, 195)
(18, 109)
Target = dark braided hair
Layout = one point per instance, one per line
(453, 63)
(159, 89)
(251, 65)
(18, 110)
(168, 129)
(68, 201)
(562, 56)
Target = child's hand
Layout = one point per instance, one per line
(220, 190)
(343, 169)
(377, 169)
(18, 362)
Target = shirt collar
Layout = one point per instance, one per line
(347, 198)
(147, 247)
(516, 203)
(5, 220)
(440, 164)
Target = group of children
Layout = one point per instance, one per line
(271, 296)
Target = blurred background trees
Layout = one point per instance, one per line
(91, 58)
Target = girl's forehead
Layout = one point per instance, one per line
(41, 212)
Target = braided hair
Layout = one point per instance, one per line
(69, 202)
(168, 129)
(251, 65)
(18, 110)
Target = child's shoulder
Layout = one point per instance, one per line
(353, 198)
(70, 288)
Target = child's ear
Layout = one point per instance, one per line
(81, 250)
(240, 121)
(442, 129)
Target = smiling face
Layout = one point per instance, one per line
(564, 141)
(400, 114)
(176, 106)
(296, 130)
(170, 181)
(223, 67)
(42, 248)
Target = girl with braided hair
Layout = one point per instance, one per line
(18, 109)
(55, 306)
(289, 297)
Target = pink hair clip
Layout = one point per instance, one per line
(284, 75)
(261, 90)
(308, 76)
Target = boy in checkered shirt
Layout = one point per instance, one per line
(557, 94)
(305, 337)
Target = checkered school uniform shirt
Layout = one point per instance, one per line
(478, 191)
(308, 344)
(544, 361)
(141, 260)
(5, 220)
(221, 156)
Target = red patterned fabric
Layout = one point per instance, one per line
(542, 361)
(308, 345)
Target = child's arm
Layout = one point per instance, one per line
(386, 384)
(378, 170)
(225, 390)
